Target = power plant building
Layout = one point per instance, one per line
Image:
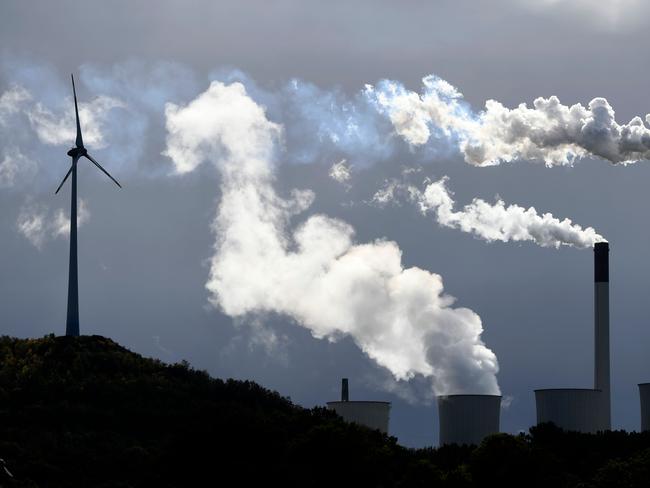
(372, 414)
(578, 409)
(468, 419)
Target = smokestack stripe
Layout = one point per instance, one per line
(601, 262)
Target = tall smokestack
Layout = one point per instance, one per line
(344, 390)
(601, 331)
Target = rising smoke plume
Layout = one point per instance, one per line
(399, 317)
(375, 124)
(497, 221)
(549, 131)
(316, 273)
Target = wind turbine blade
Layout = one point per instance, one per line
(64, 178)
(79, 141)
(100, 167)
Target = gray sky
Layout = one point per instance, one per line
(144, 251)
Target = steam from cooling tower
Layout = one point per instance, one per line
(262, 261)
(316, 273)
(498, 221)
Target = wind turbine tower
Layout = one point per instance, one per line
(76, 153)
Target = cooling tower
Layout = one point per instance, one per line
(579, 409)
(644, 393)
(375, 415)
(467, 419)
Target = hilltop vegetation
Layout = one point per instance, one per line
(86, 412)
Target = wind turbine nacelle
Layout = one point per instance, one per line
(77, 152)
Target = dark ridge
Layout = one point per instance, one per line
(86, 412)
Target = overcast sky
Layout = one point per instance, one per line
(145, 251)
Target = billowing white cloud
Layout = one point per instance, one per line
(316, 273)
(371, 126)
(38, 224)
(549, 131)
(489, 221)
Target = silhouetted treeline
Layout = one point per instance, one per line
(85, 412)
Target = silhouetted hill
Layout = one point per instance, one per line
(86, 412)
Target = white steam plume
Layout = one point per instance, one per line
(549, 131)
(317, 274)
(372, 125)
(490, 221)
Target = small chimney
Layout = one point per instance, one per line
(344, 390)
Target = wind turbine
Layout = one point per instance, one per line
(76, 153)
